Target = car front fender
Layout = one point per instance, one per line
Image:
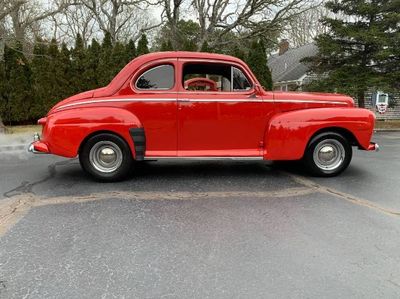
(288, 133)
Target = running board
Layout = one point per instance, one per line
(203, 158)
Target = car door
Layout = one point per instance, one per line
(155, 104)
(226, 119)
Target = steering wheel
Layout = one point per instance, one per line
(203, 83)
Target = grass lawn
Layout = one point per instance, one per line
(24, 129)
(388, 124)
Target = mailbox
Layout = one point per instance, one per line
(381, 101)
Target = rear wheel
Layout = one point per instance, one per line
(106, 156)
(328, 154)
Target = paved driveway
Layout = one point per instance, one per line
(201, 230)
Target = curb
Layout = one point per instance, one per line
(387, 130)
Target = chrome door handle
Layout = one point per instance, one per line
(181, 102)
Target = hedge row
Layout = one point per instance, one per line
(30, 86)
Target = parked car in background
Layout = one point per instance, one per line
(201, 105)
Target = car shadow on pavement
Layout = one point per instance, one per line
(192, 169)
(186, 170)
(171, 176)
(297, 168)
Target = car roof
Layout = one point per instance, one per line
(186, 54)
(126, 72)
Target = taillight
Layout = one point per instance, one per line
(42, 121)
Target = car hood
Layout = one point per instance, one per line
(314, 99)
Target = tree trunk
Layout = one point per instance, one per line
(361, 98)
(2, 127)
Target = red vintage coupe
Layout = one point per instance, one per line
(201, 105)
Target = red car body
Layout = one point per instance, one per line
(178, 122)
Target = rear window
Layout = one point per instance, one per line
(160, 77)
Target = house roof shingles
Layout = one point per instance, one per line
(287, 67)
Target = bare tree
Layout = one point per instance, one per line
(22, 18)
(121, 18)
(250, 18)
(305, 27)
(171, 12)
(75, 20)
(7, 6)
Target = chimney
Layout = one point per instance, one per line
(283, 46)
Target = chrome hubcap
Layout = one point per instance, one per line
(326, 153)
(329, 154)
(105, 156)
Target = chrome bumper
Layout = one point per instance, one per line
(31, 147)
(32, 150)
(373, 147)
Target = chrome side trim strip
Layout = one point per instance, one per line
(265, 101)
(308, 101)
(222, 100)
(116, 100)
(199, 100)
(204, 158)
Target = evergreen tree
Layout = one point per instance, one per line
(360, 50)
(3, 95)
(65, 70)
(91, 64)
(142, 47)
(237, 52)
(189, 35)
(163, 46)
(58, 76)
(189, 45)
(166, 45)
(48, 77)
(257, 61)
(41, 78)
(78, 65)
(17, 92)
(131, 50)
(119, 58)
(105, 67)
(205, 48)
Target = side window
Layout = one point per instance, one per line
(161, 77)
(214, 77)
(239, 80)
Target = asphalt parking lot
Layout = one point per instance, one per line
(201, 229)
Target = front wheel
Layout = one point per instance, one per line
(328, 154)
(107, 157)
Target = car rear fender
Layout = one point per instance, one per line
(288, 133)
(65, 131)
